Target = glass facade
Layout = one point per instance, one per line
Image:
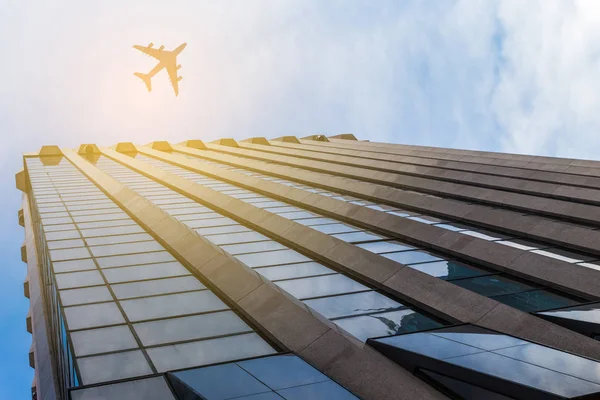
(121, 301)
(494, 362)
(317, 285)
(158, 282)
(497, 285)
(548, 250)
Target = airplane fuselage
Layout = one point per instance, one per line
(167, 60)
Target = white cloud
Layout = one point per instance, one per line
(548, 95)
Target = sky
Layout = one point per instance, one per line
(512, 76)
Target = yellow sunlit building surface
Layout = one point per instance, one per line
(313, 268)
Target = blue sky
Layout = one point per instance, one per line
(505, 76)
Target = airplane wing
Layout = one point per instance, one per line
(172, 71)
(152, 52)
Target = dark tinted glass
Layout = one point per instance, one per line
(283, 371)
(463, 389)
(147, 389)
(478, 337)
(492, 285)
(556, 360)
(526, 374)
(317, 391)
(221, 381)
(429, 345)
(449, 270)
(535, 300)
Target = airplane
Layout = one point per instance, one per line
(167, 59)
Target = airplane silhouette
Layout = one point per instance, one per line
(167, 59)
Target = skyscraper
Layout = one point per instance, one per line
(314, 268)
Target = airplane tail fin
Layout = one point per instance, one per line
(145, 78)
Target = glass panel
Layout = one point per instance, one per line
(595, 266)
(321, 286)
(261, 396)
(102, 217)
(91, 315)
(253, 247)
(125, 248)
(78, 279)
(316, 221)
(69, 254)
(478, 337)
(103, 340)
(535, 300)
(160, 286)
(587, 313)
(386, 324)
(492, 285)
(448, 270)
(266, 204)
(74, 265)
(205, 223)
(58, 228)
(272, 258)
(463, 389)
(486, 235)
(426, 220)
(335, 228)
(134, 259)
(284, 371)
(317, 391)
(106, 224)
(86, 295)
(172, 305)
(353, 304)
(385, 247)
(167, 358)
(236, 238)
(520, 244)
(186, 328)
(429, 345)
(117, 230)
(298, 215)
(452, 227)
(275, 210)
(147, 389)
(56, 221)
(526, 374)
(222, 382)
(412, 257)
(563, 255)
(356, 237)
(556, 360)
(143, 272)
(113, 366)
(292, 271)
(402, 213)
(222, 229)
(65, 244)
(136, 237)
(62, 235)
